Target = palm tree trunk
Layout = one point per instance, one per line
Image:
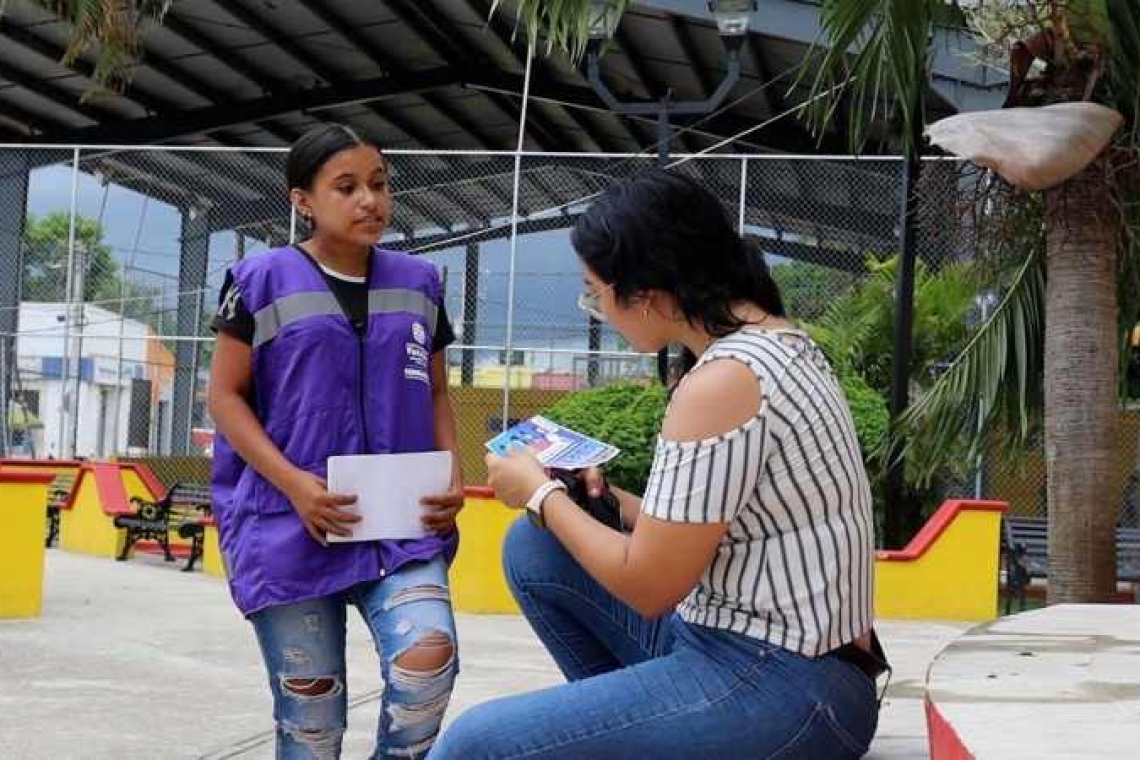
(1081, 388)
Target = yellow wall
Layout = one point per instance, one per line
(477, 581)
(86, 528)
(955, 579)
(475, 410)
(212, 563)
(493, 377)
(23, 513)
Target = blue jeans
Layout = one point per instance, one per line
(304, 649)
(646, 689)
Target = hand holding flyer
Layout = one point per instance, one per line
(555, 446)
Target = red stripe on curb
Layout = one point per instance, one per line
(945, 744)
(31, 478)
(937, 525)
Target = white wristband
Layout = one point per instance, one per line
(534, 503)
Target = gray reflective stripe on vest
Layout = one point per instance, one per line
(285, 311)
(399, 299)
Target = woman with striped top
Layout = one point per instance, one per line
(734, 619)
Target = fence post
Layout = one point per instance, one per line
(192, 265)
(14, 172)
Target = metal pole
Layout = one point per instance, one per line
(900, 515)
(128, 267)
(743, 203)
(65, 369)
(980, 463)
(510, 337)
(470, 312)
(5, 435)
(77, 354)
(664, 136)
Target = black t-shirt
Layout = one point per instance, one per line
(235, 320)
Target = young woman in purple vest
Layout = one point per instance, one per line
(328, 347)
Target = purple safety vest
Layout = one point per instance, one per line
(320, 390)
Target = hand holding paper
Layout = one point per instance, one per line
(390, 489)
(556, 446)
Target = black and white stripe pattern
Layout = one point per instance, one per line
(795, 568)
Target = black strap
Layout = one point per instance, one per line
(873, 663)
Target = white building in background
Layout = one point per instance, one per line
(124, 386)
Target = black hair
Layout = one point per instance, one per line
(314, 149)
(664, 231)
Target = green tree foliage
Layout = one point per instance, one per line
(46, 259)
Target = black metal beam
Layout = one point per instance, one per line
(389, 64)
(499, 30)
(455, 198)
(651, 83)
(35, 123)
(772, 95)
(585, 97)
(286, 44)
(154, 104)
(842, 259)
(263, 81)
(50, 92)
(367, 48)
(499, 232)
(228, 215)
(689, 48)
(25, 39)
(444, 42)
(163, 129)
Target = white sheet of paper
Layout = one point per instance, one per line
(388, 489)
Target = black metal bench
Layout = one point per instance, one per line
(184, 509)
(58, 493)
(1025, 553)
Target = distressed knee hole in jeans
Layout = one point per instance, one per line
(311, 688)
(418, 749)
(422, 593)
(323, 743)
(421, 678)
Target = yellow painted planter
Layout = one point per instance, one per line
(212, 562)
(949, 571)
(477, 581)
(23, 514)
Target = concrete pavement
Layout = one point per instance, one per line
(137, 660)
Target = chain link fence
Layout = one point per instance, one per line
(112, 261)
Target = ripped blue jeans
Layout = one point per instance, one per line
(410, 617)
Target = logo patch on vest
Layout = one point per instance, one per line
(418, 356)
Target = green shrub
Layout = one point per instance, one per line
(869, 412)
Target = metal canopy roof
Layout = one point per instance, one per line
(436, 74)
(411, 73)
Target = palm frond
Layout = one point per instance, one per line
(889, 65)
(1122, 84)
(111, 28)
(994, 383)
(1123, 61)
(564, 24)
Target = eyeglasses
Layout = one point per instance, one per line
(588, 302)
